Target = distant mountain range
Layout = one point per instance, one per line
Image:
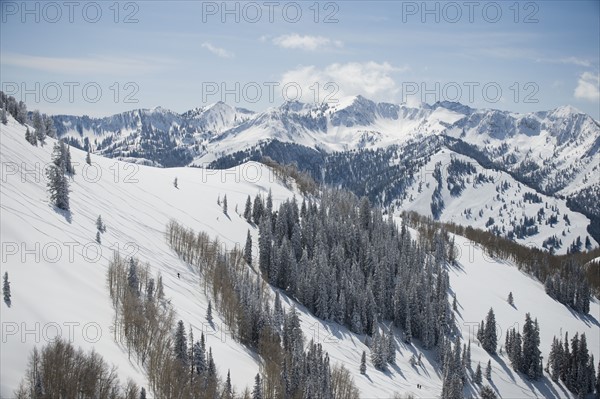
(380, 150)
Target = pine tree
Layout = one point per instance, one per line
(257, 210)
(391, 348)
(49, 127)
(58, 185)
(531, 355)
(378, 348)
(180, 348)
(487, 393)
(98, 239)
(488, 370)
(66, 150)
(248, 210)
(363, 363)
(248, 249)
(6, 289)
(100, 226)
(468, 355)
(4, 117)
(257, 391)
(225, 204)
(209, 316)
(408, 326)
(211, 368)
(21, 113)
(228, 390)
(490, 339)
(39, 126)
(28, 136)
(478, 378)
(88, 158)
(270, 202)
(175, 184)
(510, 299)
(150, 290)
(199, 360)
(132, 277)
(143, 393)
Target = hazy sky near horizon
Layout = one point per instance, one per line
(104, 57)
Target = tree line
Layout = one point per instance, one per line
(290, 367)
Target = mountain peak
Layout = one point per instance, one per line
(453, 106)
(565, 111)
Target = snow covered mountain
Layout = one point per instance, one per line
(555, 153)
(157, 137)
(136, 202)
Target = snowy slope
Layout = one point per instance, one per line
(497, 201)
(137, 201)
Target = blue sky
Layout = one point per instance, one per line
(100, 58)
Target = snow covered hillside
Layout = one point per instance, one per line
(454, 188)
(58, 272)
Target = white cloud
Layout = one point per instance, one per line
(105, 65)
(566, 60)
(588, 87)
(308, 43)
(371, 79)
(220, 52)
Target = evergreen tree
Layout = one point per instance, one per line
(487, 393)
(58, 185)
(88, 158)
(490, 339)
(49, 127)
(132, 277)
(180, 348)
(209, 316)
(248, 249)
(257, 210)
(531, 355)
(228, 389)
(28, 137)
(66, 150)
(269, 202)
(211, 366)
(39, 126)
(98, 239)
(488, 370)
(143, 393)
(468, 356)
(175, 183)
(6, 289)
(478, 378)
(4, 117)
(100, 226)
(150, 290)
(257, 391)
(199, 360)
(391, 348)
(21, 113)
(510, 299)
(225, 204)
(408, 325)
(363, 363)
(378, 349)
(248, 210)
